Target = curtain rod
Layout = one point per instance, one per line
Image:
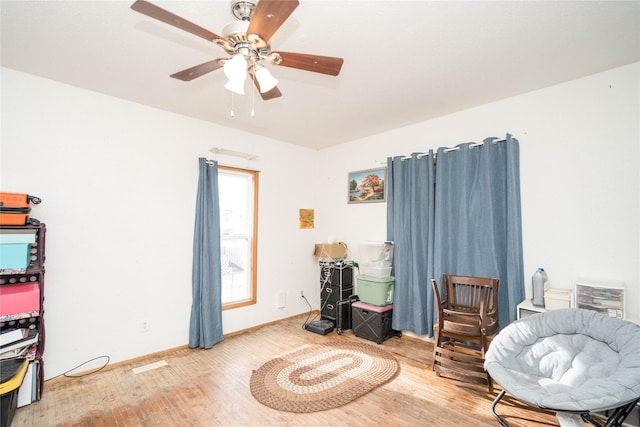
(213, 162)
(446, 150)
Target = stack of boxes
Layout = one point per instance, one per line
(371, 316)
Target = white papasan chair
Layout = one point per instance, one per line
(571, 361)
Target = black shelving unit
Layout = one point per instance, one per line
(35, 273)
(336, 284)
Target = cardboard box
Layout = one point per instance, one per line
(331, 250)
(557, 298)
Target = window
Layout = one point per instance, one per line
(238, 193)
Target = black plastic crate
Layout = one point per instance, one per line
(372, 322)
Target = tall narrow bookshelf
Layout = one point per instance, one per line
(25, 285)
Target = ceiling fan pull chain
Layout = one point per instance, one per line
(233, 114)
(253, 100)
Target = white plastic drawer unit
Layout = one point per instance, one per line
(601, 295)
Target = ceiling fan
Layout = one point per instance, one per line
(246, 41)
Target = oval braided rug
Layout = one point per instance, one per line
(322, 376)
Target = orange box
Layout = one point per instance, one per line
(14, 218)
(14, 208)
(14, 200)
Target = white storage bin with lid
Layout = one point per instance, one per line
(375, 258)
(373, 271)
(555, 299)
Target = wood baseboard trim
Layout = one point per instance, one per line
(162, 353)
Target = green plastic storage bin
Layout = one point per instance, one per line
(375, 290)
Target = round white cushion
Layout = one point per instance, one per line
(568, 360)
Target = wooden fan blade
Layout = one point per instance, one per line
(273, 93)
(167, 17)
(197, 71)
(269, 15)
(317, 64)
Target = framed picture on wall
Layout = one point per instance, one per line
(367, 186)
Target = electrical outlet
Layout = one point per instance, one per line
(144, 326)
(301, 294)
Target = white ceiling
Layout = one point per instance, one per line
(405, 61)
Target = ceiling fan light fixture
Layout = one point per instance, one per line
(235, 86)
(236, 68)
(236, 71)
(265, 80)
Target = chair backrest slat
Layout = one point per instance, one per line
(466, 292)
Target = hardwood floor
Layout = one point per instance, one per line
(211, 388)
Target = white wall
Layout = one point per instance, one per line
(580, 176)
(118, 183)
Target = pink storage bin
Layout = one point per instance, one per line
(19, 298)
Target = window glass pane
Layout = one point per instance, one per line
(236, 191)
(234, 197)
(235, 280)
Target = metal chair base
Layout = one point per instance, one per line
(615, 419)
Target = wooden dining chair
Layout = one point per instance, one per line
(467, 320)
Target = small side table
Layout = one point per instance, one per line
(526, 308)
